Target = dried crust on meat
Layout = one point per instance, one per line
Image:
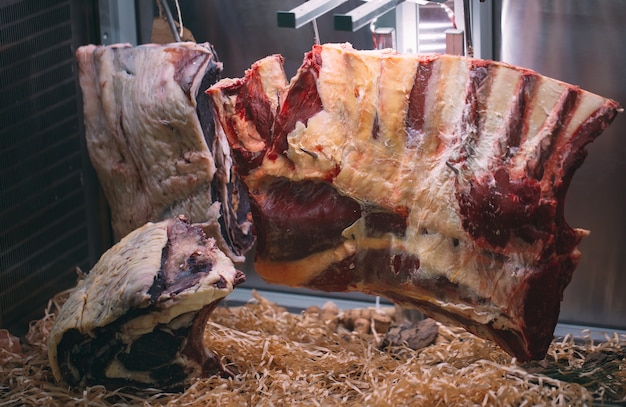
(155, 153)
(138, 317)
(436, 181)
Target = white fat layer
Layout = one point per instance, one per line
(116, 370)
(506, 82)
(274, 80)
(110, 290)
(149, 152)
(542, 119)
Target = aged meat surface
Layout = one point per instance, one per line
(436, 181)
(151, 138)
(139, 316)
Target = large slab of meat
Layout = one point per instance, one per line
(138, 317)
(438, 182)
(152, 142)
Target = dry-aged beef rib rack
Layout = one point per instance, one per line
(151, 139)
(436, 181)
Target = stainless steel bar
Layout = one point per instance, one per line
(299, 301)
(305, 13)
(117, 22)
(467, 13)
(362, 15)
(170, 20)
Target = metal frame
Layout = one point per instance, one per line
(118, 23)
(305, 13)
(364, 14)
(474, 18)
(481, 34)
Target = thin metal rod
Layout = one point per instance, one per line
(316, 32)
(467, 14)
(362, 15)
(170, 20)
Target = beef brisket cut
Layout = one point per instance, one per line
(151, 139)
(138, 317)
(438, 182)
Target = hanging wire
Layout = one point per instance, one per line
(373, 32)
(180, 20)
(467, 11)
(316, 33)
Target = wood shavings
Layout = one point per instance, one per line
(412, 335)
(283, 358)
(9, 342)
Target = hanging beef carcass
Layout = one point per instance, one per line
(438, 182)
(139, 315)
(151, 138)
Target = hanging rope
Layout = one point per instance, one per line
(316, 33)
(180, 20)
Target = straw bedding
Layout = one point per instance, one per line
(289, 359)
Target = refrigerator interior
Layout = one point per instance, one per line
(53, 217)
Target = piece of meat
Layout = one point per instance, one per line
(151, 139)
(138, 317)
(436, 181)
